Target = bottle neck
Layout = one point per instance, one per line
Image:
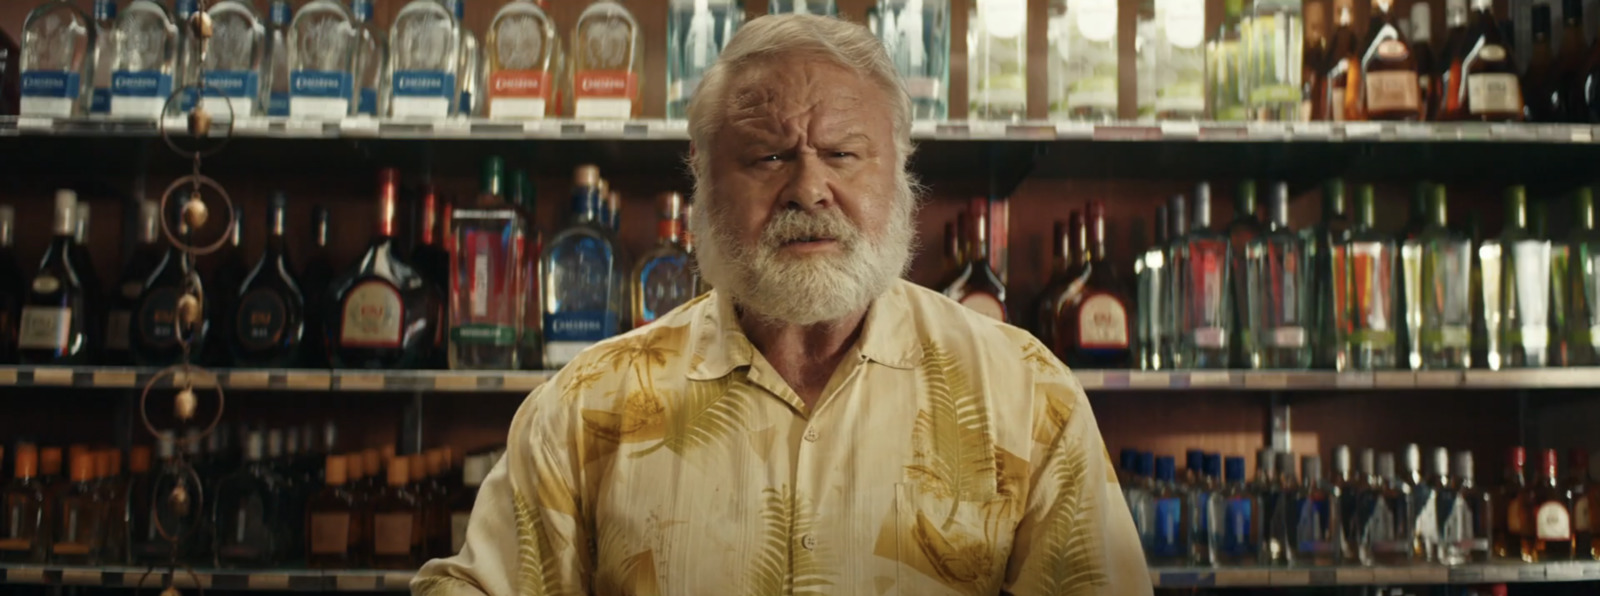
(279, 13)
(275, 228)
(320, 229)
(586, 204)
(430, 217)
(978, 241)
(387, 202)
(669, 230)
(1078, 242)
(1095, 229)
(1202, 213)
(1516, 213)
(8, 228)
(105, 10)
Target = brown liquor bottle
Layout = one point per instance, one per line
(1391, 90)
(24, 533)
(1583, 495)
(1511, 509)
(1314, 58)
(112, 492)
(333, 521)
(1572, 64)
(976, 285)
(1422, 51)
(1549, 535)
(396, 535)
(1093, 325)
(438, 502)
(1482, 83)
(1061, 281)
(1542, 79)
(1343, 70)
(473, 471)
(76, 529)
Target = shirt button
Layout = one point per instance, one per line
(809, 542)
(812, 435)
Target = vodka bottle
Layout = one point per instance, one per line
(58, 60)
(322, 45)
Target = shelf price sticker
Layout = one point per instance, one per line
(1498, 573)
(1352, 576)
(1582, 134)
(1180, 130)
(1244, 577)
(1362, 130)
(1563, 571)
(1284, 577)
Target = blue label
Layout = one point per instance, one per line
(1236, 528)
(362, 9)
(368, 104)
(280, 13)
(100, 102)
(147, 83)
(184, 8)
(320, 83)
(51, 83)
(105, 10)
(278, 104)
(465, 104)
(234, 83)
(588, 326)
(1168, 540)
(424, 83)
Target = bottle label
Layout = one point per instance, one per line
(1516, 517)
(985, 304)
(1102, 323)
(458, 531)
(1493, 93)
(240, 88)
(158, 314)
(1394, 90)
(368, 103)
(518, 94)
(1236, 531)
(484, 335)
(1288, 337)
(568, 333)
(261, 320)
(278, 104)
(391, 533)
(70, 548)
(330, 533)
(139, 94)
(117, 330)
(15, 544)
(422, 94)
(1552, 522)
(1168, 539)
(49, 93)
(1580, 513)
(1210, 337)
(372, 314)
(1315, 535)
(319, 94)
(44, 328)
(604, 93)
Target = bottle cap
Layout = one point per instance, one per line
(1386, 466)
(1463, 465)
(74, 450)
(1518, 457)
(26, 461)
(1234, 466)
(66, 212)
(50, 461)
(372, 462)
(417, 466)
(1550, 462)
(1369, 462)
(102, 464)
(475, 469)
(1244, 198)
(275, 443)
(1165, 471)
(387, 450)
(399, 471)
(1194, 460)
(330, 437)
(435, 460)
(586, 175)
(336, 472)
(139, 459)
(1278, 207)
(1285, 463)
(1177, 217)
(1266, 463)
(1147, 463)
(1202, 207)
(494, 175)
(1413, 458)
(1311, 468)
(291, 441)
(83, 467)
(1129, 459)
(1441, 461)
(356, 466)
(253, 446)
(1341, 460)
(448, 454)
(1213, 465)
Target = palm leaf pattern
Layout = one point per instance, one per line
(770, 574)
(538, 568)
(1069, 553)
(814, 568)
(954, 457)
(711, 412)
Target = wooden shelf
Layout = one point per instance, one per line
(292, 580)
(293, 379)
(1419, 575)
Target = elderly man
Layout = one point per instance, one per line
(816, 424)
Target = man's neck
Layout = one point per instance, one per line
(806, 356)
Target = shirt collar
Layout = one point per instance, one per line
(888, 337)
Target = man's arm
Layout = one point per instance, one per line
(524, 523)
(1076, 536)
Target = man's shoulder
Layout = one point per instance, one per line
(661, 346)
(948, 324)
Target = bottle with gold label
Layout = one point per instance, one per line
(77, 517)
(1390, 88)
(23, 533)
(55, 322)
(976, 285)
(396, 536)
(607, 63)
(1092, 325)
(333, 520)
(1482, 80)
(269, 321)
(383, 311)
(1548, 535)
(525, 61)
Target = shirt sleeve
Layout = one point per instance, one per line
(520, 540)
(1076, 536)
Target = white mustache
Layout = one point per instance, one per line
(789, 226)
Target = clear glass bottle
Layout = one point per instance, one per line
(1524, 287)
(24, 529)
(1275, 46)
(59, 48)
(1280, 305)
(1180, 54)
(245, 515)
(662, 280)
(484, 294)
(1171, 523)
(1206, 311)
(818, 7)
(1269, 493)
(397, 530)
(105, 55)
(322, 59)
(580, 277)
(275, 87)
(525, 61)
(473, 471)
(1204, 480)
(1244, 228)
(1170, 341)
(1370, 266)
(471, 67)
(1315, 529)
(1466, 518)
(425, 60)
(1236, 535)
(607, 62)
(1326, 245)
(1138, 493)
(233, 65)
(1442, 311)
(334, 520)
(1227, 88)
(1150, 270)
(997, 45)
(147, 60)
(1390, 522)
(916, 34)
(1582, 284)
(1432, 495)
(1147, 35)
(372, 61)
(1084, 84)
(1347, 491)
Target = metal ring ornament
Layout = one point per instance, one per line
(178, 323)
(180, 443)
(170, 582)
(196, 180)
(187, 474)
(200, 98)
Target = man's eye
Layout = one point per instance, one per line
(840, 154)
(770, 158)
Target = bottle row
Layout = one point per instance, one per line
(1340, 294)
(1376, 515)
(468, 298)
(277, 498)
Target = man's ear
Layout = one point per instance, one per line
(691, 150)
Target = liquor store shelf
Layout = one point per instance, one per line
(350, 380)
(556, 129)
(151, 580)
(1419, 575)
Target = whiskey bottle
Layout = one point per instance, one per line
(245, 519)
(607, 59)
(78, 522)
(269, 322)
(1095, 329)
(1370, 267)
(473, 471)
(579, 277)
(314, 288)
(525, 61)
(1512, 514)
(662, 279)
(12, 288)
(1483, 81)
(385, 311)
(1279, 304)
(24, 529)
(1524, 287)
(1205, 274)
(1066, 274)
(155, 336)
(397, 530)
(334, 521)
(1326, 245)
(1455, 20)
(125, 295)
(1347, 492)
(1583, 495)
(976, 285)
(1467, 519)
(1150, 269)
(54, 327)
(1170, 341)
(1342, 98)
(1550, 535)
(112, 492)
(1391, 89)
(484, 293)
(1315, 533)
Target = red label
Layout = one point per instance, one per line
(619, 84)
(529, 84)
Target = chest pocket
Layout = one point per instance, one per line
(959, 546)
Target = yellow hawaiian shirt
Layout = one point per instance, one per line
(949, 454)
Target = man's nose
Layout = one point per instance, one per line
(809, 188)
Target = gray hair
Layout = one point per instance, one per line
(843, 43)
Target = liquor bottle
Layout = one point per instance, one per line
(85, 265)
(12, 288)
(1541, 81)
(1390, 521)
(245, 517)
(525, 61)
(77, 517)
(24, 533)
(146, 62)
(475, 469)
(432, 261)
(334, 521)
(1582, 284)
(154, 336)
(1422, 51)
(662, 279)
(530, 244)
(579, 277)
(125, 296)
(1138, 494)
(1326, 246)
(233, 66)
(1083, 68)
(56, 311)
(1314, 61)
(1524, 296)
(1236, 535)
(140, 535)
(314, 285)
(1279, 304)
(1347, 493)
(1170, 537)
(1557, 352)
(1180, 60)
(425, 61)
(1206, 310)
(1482, 84)
(397, 532)
(1150, 270)
(1314, 538)
(1583, 495)
(58, 60)
(1391, 90)
(484, 293)
(322, 56)
(1274, 530)
(269, 321)
(1549, 536)
(1442, 312)
(275, 86)
(1370, 266)
(1094, 328)
(1170, 342)
(105, 56)
(607, 62)
(1437, 494)
(1275, 46)
(1204, 489)
(976, 285)
(1466, 520)
(1065, 274)
(386, 311)
(1228, 91)
(817, 7)
(916, 34)
(1572, 64)
(997, 79)
(1244, 228)
(371, 69)
(1511, 511)
(1455, 19)
(1342, 99)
